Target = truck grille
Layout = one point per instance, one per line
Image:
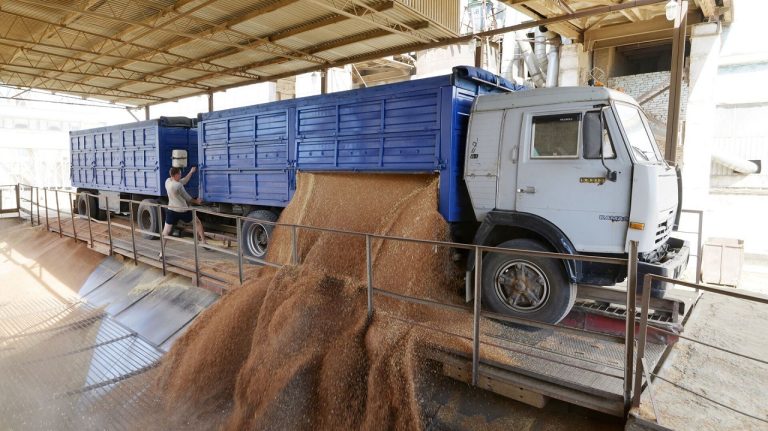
(664, 228)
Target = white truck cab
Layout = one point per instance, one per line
(572, 170)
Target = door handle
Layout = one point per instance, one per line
(528, 189)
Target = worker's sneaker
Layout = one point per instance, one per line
(160, 256)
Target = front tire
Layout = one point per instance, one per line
(254, 239)
(529, 287)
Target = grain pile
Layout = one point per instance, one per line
(293, 348)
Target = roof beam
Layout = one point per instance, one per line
(595, 11)
(125, 50)
(324, 46)
(644, 31)
(70, 86)
(366, 13)
(229, 39)
(282, 34)
(81, 67)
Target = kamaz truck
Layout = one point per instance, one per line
(568, 170)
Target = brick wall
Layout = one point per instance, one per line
(640, 86)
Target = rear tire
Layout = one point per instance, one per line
(255, 236)
(92, 205)
(146, 218)
(529, 287)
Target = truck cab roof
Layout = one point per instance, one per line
(549, 96)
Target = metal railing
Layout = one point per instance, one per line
(64, 216)
(644, 373)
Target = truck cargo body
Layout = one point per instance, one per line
(250, 155)
(131, 158)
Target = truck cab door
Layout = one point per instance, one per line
(559, 182)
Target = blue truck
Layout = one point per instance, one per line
(130, 161)
(571, 170)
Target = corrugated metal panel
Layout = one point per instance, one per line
(443, 12)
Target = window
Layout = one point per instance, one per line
(594, 137)
(639, 137)
(556, 136)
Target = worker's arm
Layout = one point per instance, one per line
(188, 177)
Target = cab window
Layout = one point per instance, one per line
(555, 136)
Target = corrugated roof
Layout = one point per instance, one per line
(141, 52)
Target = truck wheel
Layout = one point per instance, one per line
(92, 205)
(255, 236)
(146, 218)
(529, 287)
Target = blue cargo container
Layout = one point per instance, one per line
(131, 158)
(250, 155)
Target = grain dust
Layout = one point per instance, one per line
(293, 348)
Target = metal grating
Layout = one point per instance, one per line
(71, 366)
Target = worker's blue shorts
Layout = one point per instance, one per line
(171, 217)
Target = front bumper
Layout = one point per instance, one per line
(672, 266)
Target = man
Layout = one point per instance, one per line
(178, 200)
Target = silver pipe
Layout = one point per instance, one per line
(737, 164)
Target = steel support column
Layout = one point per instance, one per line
(675, 83)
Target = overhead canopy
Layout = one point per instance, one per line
(141, 52)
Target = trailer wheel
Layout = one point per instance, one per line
(146, 218)
(92, 205)
(529, 287)
(255, 236)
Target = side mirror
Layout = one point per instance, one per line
(597, 141)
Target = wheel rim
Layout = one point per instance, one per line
(521, 286)
(81, 208)
(257, 239)
(145, 219)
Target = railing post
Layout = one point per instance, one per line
(37, 203)
(476, 316)
(162, 237)
(294, 246)
(58, 213)
(45, 202)
(18, 198)
(88, 214)
(109, 224)
(133, 234)
(641, 342)
(699, 251)
(72, 215)
(197, 258)
(32, 205)
(629, 337)
(239, 249)
(369, 273)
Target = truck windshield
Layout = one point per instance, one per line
(639, 137)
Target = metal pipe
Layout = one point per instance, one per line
(109, 224)
(1, 200)
(735, 163)
(629, 336)
(197, 258)
(641, 342)
(553, 66)
(239, 222)
(88, 214)
(58, 214)
(162, 237)
(476, 310)
(369, 273)
(133, 236)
